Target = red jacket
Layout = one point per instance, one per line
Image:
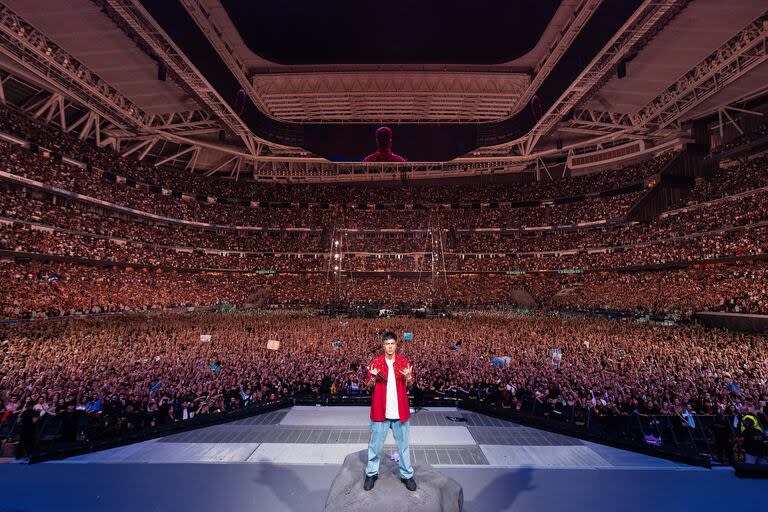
(379, 398)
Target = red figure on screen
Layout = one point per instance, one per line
(384, 143)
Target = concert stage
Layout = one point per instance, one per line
(286, 460)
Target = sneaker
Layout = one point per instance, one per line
(369, 481)
(410, 483)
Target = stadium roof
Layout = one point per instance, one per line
(188, 82)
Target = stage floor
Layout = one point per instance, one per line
(286, 460)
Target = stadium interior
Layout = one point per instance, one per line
(567, 230)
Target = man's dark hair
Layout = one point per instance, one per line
(389, 335)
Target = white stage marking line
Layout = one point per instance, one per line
(295, 453)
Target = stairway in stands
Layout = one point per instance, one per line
(675, 180)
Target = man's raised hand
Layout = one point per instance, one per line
(407, 371)
(374, 371)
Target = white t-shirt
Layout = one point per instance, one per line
(392, 411)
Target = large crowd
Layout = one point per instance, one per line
(19, 124)
(73, 257)
(474, 238)
(738, 289)
(21, 162)
(755, 134)
(131, 372)
(722, 244)
(315, 243)
(38, 290)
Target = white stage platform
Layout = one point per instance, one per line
(325, 435)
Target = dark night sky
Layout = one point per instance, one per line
(397, 31)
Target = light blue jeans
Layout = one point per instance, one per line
(379, 431)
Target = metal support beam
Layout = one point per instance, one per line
(149, 147)
(62, 114)
(175, 156)
(740, 54)
(219, 167)
(544, 165)
(744, 111)
(137, 146)
(54, 105)
(192, 163)
(144, 28)
(582, 14)
(35, 101)
(45, 106)
(725, 113)
(88, 126)
(236, 169)
(78, 123)
(29, 48)
(97, 129)
(646, 21)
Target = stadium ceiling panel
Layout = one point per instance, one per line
(747, 87)
(390, 96)
(731, 71)
(700, 29)
(85, 33)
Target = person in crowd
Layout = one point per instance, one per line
(755, 442)
(28, 421)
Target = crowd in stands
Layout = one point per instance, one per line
(76, 217)
(75, 228)
(20, 162)
(129, 373)
(721, 244)
(48, 136)
(739, 289)
(743, 139)
(35, 289)
(728, 181)
(745, 212)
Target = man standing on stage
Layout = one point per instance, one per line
(390, 375)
